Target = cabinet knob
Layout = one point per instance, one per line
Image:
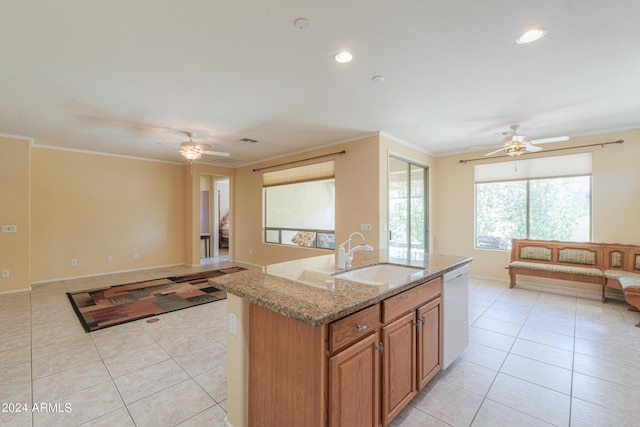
(361, 327)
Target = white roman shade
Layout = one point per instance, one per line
(314, 172)
(543, 167)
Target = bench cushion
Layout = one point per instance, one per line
(617, 274)
(630, 283)
(585, 271)
(577, 256)
(535, 252)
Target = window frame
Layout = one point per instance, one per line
(315, 172)
(528, 207)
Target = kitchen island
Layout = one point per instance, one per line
(307, 348)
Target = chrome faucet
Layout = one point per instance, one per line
(346, 256)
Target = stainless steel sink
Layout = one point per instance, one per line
(381, 274)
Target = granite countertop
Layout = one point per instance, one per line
(304, 290)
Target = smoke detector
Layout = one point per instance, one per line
(301, 24)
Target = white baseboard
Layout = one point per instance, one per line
(15, 291)
(40, 282)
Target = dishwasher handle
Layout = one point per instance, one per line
(457, 273)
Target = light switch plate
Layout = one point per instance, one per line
(233, 324)
(9, 228)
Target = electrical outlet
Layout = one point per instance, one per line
(5, 274)
(74, 261)
(136, 255)
(250, 251)
(233, 324)
(109, 258)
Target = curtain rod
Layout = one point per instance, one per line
(601, 144)
(301, 160)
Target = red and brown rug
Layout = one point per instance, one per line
(105, 307)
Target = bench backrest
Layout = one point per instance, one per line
(605, 256)
(622, 257)
(556, 252)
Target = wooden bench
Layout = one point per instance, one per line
(579, 262)
(622, 271)
(608, 265)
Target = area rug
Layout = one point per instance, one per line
(114, 305)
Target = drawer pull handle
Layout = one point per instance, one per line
(362, 327)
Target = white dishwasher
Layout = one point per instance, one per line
(455, 314)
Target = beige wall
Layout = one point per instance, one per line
(14, 210)
(616, 186)
(89, 207)
(357, 202)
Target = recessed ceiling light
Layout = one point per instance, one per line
(531, 35)
(343, 57)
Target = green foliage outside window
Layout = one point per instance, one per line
(546, 209)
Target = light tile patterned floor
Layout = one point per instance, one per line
(537, 357)
(172, 372)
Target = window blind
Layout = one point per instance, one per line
(314, 172)
(543, 167)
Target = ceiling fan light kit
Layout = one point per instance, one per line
(515, 150)
(515, 144)
(192, 151)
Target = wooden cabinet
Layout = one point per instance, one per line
(412, 350)
(351, 328)
(361, 370)
(287, 371)
(398, 366)
(429, 344)
(354, 385)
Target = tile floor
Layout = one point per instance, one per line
(537, 357)
(172, 372)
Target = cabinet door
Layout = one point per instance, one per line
(354, 376)
(429, 341)
(398, 365)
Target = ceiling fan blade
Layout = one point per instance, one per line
(532, 148)
(547, 140)
(497, 151)
(217, 153)
(168, 145)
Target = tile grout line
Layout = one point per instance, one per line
(485, 397)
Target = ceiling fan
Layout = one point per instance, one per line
(193, 151)
(515, 144)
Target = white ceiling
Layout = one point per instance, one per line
(122, 76)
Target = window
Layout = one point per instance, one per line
(299, 206)
(546, 198)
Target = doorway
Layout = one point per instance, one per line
(214, 217)
(408, 209)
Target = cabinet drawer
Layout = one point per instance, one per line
(408, 300)
(353, 327)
